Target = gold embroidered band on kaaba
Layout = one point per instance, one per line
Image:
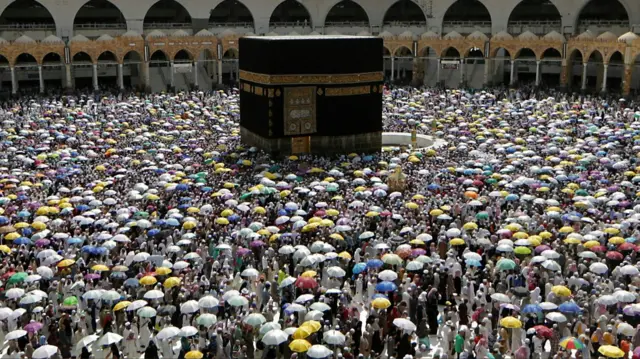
(329, 79)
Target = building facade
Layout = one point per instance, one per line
(154, 44)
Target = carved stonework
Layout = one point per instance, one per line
(626, 79)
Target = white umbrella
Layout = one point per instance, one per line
(84, 342)
(286, 249)
(206, 319)
(629, 270)
(333, 337)
(14, 293)
(626, 329)
(5, 313)
(45, 272)
(607, 299)
(336, 272)
(304, 298)
(314, 315)
(153, 294)
(93, 294)
(500, 297)
(318, 351)
(472, 255)
(598, 268)
(188, 331)
(208, 301)
(287, 282)
(230, 294)
(44, 352)
(146, 312)
(275, 337)
(624, 297)
(254, 319)
(588, 254)
(548, 306)
(556, 317)
(269, 326)
(17, 313)
(109, 338)
(551, 265)
(238, 301)
(388, 275)
(295, 307)
(30, 299)
(250, 272)
(15, 334)
(414, 265)
(319, 306)
(404, 324)
(111, 295)
(136, 304)
(550, 254)
(190, 306)
(168, 333)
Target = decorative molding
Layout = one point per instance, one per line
(311, 79)
(349, 91)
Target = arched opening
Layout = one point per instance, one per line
(500, 67)
(230, 69)
(26, 71)
(635, 78)
(615, 72)
(594, 71)
(574, 71)
(107, 69)
(346, 13)
(182, 56)
(82, 70)
(5, 77)
(132, 76)
(603, 15)
(466, 16)
(231, 12)
(99, 14)
(51, 70)
(386, 62)
(107, 58)
(159, 71)
(159, 59)
(550, 67)
(525, 67)
(182, 76)
(402, 66)
(428, 57)
(473, 70)
(167, 14)
(537, 16)
(26, 60)
(206, 69)
(290, 13)
(23, 15)
(404, 12)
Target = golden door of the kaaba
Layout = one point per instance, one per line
(301, 144)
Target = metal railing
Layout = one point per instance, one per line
(98, 25)
(167, 25)
(346, 23)
(27, 26)
(596, 22)
(405, 23)
(290, 24)
(535, 23)
(466, 23)
(231, 24)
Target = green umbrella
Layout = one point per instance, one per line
(17, 278)
(70, 301)
(142, 214)
(582, 192)
(245, 195)
(522, 251)
(505, 264)
(482, 215)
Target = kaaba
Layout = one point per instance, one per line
(311, 94)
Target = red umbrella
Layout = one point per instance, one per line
(306, 283)
(320, 213)
(386, 213)
(8, 274)
(543, 331)
(626, 246)
(615, 256)
(598, 249)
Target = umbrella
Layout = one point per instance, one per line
(44, 352)
(571, 343)
(275, 337)
(333, 337)
(318, 351)
(611, 351)
(299, 346)
(109, 338)
(168, 333)
(254, 319)
(510, 322)
(404, 324)
(206, 319)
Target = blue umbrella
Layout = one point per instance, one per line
(473, 263)
(182, 187)
(22, 240)
(89, 249)
(119, 275)
(511, 197)
(379, 295)
(233, 218)
(359, 268)
(131, 282)
(24, 214)
(433, 187)
(386, 287)
(531, 308)
(153, 232)
(570, 308)
(4, 220)
(82, 207)
(374, 263)
(172, 222)
(75, 240)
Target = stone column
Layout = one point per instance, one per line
(626, 79)
(67, 72)
(146, 81)
(488, 64)
(14, 82)
(604, 77)
(171, 76)
(392, 66)
(195, 73)
(512, 80)
(219, 72)
(462, 63)
(564, 74)
(538, 73)
(120, 77)
(438, 71)
(418, 72)
(95, 77)
(41, 78)
(584, 76)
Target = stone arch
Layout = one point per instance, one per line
(551, 53)
(425, 51)
(525, 53)
(166, 11)
(535, 10)
(231, 11)
(494, 53)
(183, 55)
(52, 59)
(206, 55)
(291, 11)
(594, 55)
(99, 11)
(385, 51)
(474, 52)
(81, 57)
(592, 10)
(467, 10)
(13, 14)
(132, 56)
(159, 56)
(450, 52)
(576, 53)
(404, 11)
(230, 53)
(107, 57)
(4, 61)
(615, 57)
(402, 51)
(347, 11)
(25, 59)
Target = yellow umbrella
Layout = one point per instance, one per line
(457, 242)
(611, 351)
(561, 291)
(332, 212)
(222, 221)
(417, 242)
(309, 274)
(436, 212)
(313, 324)
(337, 236)
(344, 255)
(511, 322)
(590, 244)
(65, 263)
(148, 280)
(4, 249)
(39, 225)
(611, 230)
(193, 210)
(572, 241)
(226, 213)
(20, 225)
(616, 240)
(12, 236)
(121, 305)
(259, 210)
(520, 235)
(545, 235)
(469, 226)
(100, 268)
(302, 332)
(381, 303)
(298, 346)
(566, 229)
(411, 205)
(171, 282)
(194, 354)
(163, 270)
(372, 214)
(417, 197)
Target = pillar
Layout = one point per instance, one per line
(418, 72)
(67, 72)
(14, 82)
(171, 77)
(41, 78)
(120, 77)
(95, 77)
(462, 63)
(584, 76)
(392, 68)
(626, 79)
(438, 71)
(564, 74)
(538, 73)
(512, 80)
(195, 74)
(219, 72)
(146, 81)
(604, 77)
(488, 64)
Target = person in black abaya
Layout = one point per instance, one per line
(152, 351)
(432, 311)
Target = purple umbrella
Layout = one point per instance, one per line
(256, 244)
(418, 252)
(542, 248)
(243, 251)
(42, 242)
(91, 276)
(33, 327)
